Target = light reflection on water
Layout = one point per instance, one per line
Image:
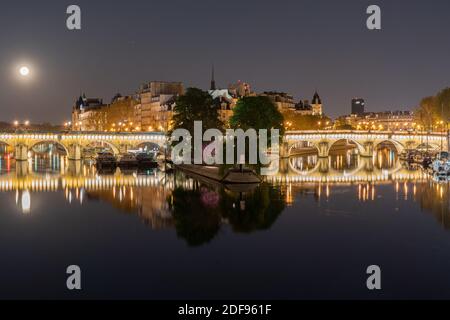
(150, 193)
(309, 207)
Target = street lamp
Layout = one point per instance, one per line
(67, 124)
(21, 126)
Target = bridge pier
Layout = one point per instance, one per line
(21, 168)
(368, 149)
(367, 164)
(74, 152)
(324, 165)
(123, 148)
(284, 150)
(21, 152)
(324, 149)
(74, 168)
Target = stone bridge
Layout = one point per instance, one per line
(366, 142)
(74, 143)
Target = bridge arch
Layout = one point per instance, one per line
(303, 144)
(4, 142)
(114, 148)
(358, 145)
(399, 147)
(54, 142)
(308, 168)
(428, 146)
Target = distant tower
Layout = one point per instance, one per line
(316, 105)
(358, 106)
(213, 82)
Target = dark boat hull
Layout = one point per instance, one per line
(148, 164)
(128, 164)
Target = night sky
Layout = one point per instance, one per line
(292, 46)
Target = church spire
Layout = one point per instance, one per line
(213, 81)
(316, 99)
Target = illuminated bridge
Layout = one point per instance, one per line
(366, 142)
(75, 142)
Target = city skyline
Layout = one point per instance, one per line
(294, 47)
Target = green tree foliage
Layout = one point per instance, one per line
(433, 111)
(443, 104)
(196, 105)
(257, 113)
(426, 115)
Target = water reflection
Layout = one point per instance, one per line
(385, 158)
(198, 210)
(346, 161)
(304, 163)
(435, 200)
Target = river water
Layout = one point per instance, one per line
(310, 232)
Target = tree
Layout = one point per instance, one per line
(196, 105)
(442, 103)
(256, 113)
(434, 111)
(426, 115)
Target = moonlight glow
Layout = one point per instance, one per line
(24, 71)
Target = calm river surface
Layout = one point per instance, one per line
(309, 232)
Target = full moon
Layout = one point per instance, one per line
(24, 71)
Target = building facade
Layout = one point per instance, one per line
(156, 104)
(88, 114)
(94, 115)
(358, 106)
(316, 105)
(226, 99)
(304, 107)
(226, 102)
(120, 114)
(282, 100)
(381, 121)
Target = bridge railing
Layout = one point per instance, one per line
(362, 132)
(40, 135)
